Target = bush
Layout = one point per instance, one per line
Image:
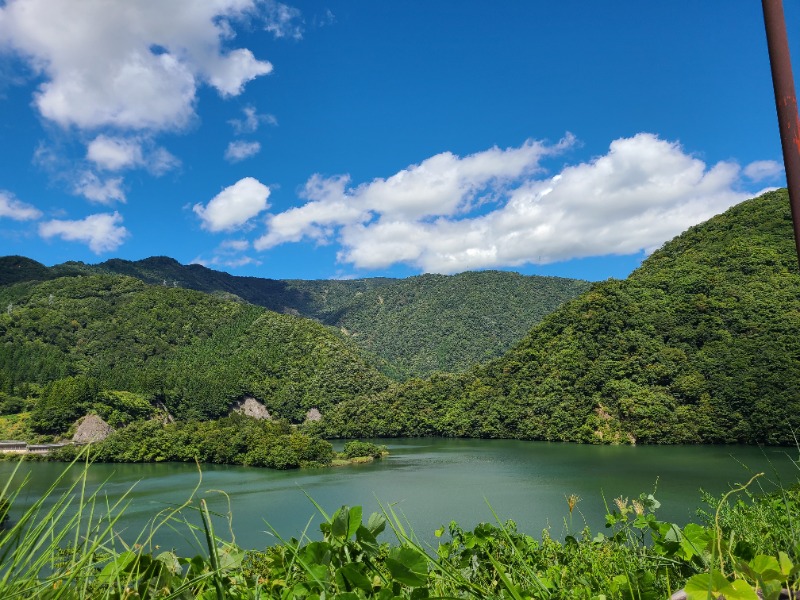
(357, 448)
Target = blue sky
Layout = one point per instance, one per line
(355, 138)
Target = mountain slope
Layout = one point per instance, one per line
(430, 323)
(414, 326)
(700, 344)
(192, 351)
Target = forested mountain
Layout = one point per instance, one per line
(700, 344)
(414, 326)
(193, 352)
(432, 323)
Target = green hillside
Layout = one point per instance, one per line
(700, 344)
(193, 352)
(431, 323)
(413, 327)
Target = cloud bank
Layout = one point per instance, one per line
(497, 209)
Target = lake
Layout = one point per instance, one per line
(429, 482)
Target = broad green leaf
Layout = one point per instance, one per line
(368, 542)
(170, 561)
(316, 553)
(740, 590)
(354, 520)
(355, 577)
(766, 567)
(376, 523)
(786, 564)
(771, 590)
(408, 566)
(318, 573)
(120, 564)
(420, 593)
(705, 586)
(714, 584)
(340, 523)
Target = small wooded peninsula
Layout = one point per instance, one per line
(698, 345)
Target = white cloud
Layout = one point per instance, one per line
(133, 65)
(101, 191)
(159, 161)
(283, 20)
(762, 170)
(240, 150)
(231, 246)
(494, 209)
(251, 121)
(444, 184)
(234, 206)
(101, 232)
(115, 153)
(15, 209)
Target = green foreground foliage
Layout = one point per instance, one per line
(66, 546)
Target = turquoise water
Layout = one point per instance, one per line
(429, 482)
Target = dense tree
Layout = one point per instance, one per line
(191, 352)
(63, 402)
(410, 327)
(700, 344)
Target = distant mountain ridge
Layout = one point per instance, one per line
(414, 327)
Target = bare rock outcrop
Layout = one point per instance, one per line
(251, 407)
(91, 428)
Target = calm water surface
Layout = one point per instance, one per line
(430, 482)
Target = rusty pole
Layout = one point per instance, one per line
(786, 104)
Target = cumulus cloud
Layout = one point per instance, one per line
(496, 209)
(101, 232)
(115, 153)
(240, 150)
(234, 206)
(252, 121)
(101, 191)
(763, 170)
(444, 184)
(17, 210)
(134, 65)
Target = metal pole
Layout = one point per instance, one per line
(786, 104)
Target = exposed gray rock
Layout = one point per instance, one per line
(313, 414)
(251, 407)
(91, 428)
